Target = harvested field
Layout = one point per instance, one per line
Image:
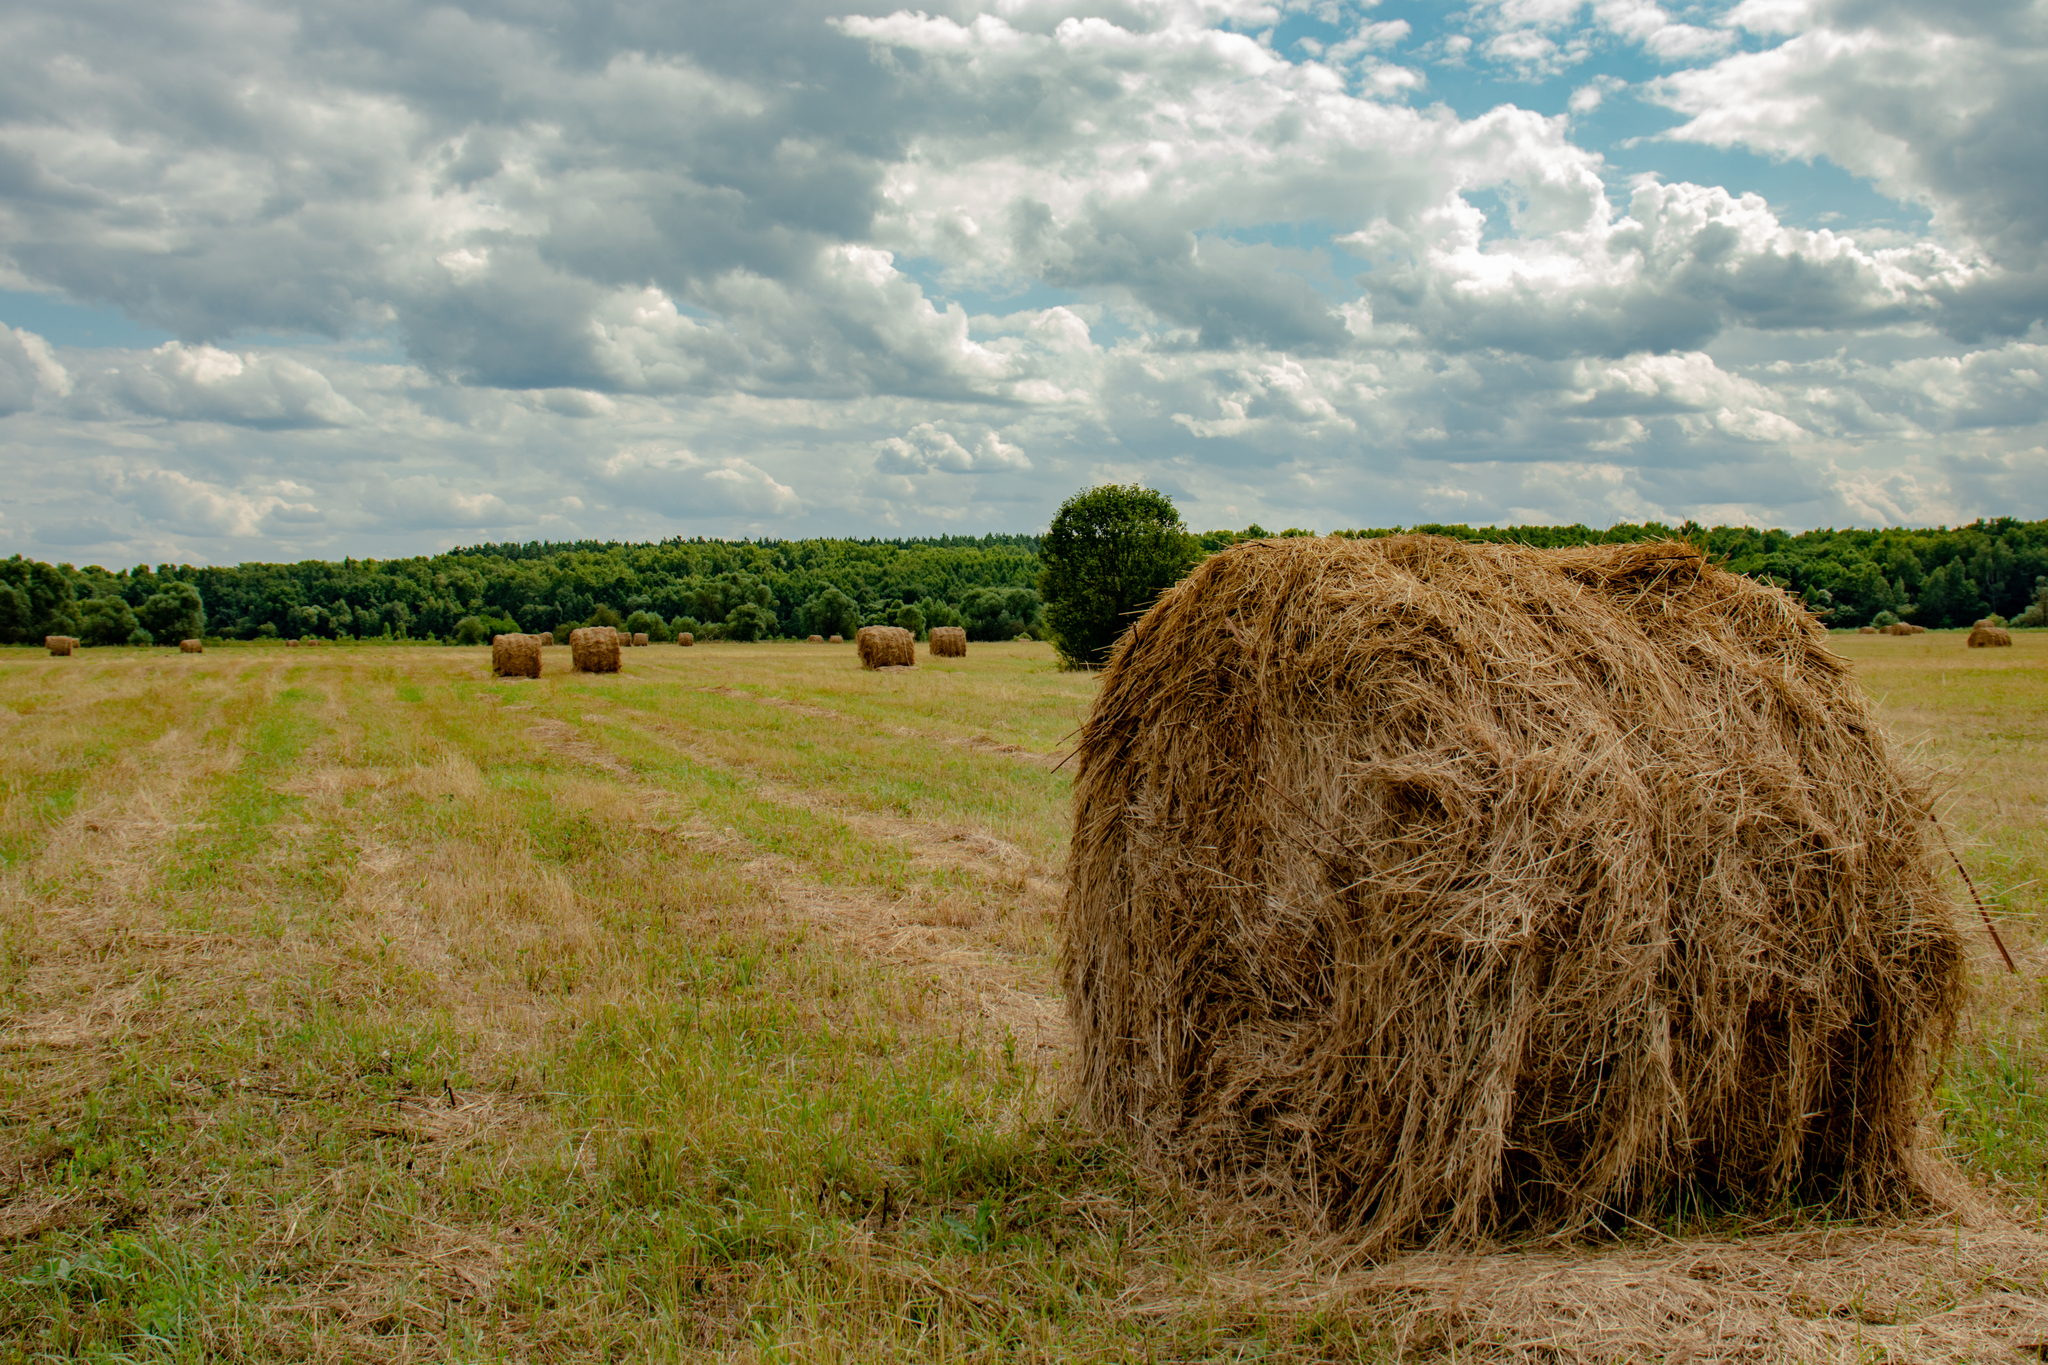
(362, 1007)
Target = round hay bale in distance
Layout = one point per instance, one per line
(886, 647)
(836, 640)
(816, 640)
(949, 642)
(1429, 889)
(1866, 630)
(515, 656)
(191, 646)
(594, 649)
(686, 639)
(639, 638)
(1990, 637)
(547, 637)
(60, 645)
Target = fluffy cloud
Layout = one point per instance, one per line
(444, 274)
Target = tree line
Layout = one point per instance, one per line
(996, 586)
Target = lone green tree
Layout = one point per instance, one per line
(1109, 552)
(174, 612)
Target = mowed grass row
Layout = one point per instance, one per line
(360, 1006)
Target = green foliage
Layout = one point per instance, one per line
(470, 631)
(177, 612)
(830, 612)
(1885, 618)
(109, 621)
(2036, 613)
(605, 616)
(909, 617)
(40, 601)
(1110, 551)
(644, 622)
(749, 621)
(1000, 613)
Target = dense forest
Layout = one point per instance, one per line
(746, 590)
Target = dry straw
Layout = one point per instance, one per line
(60, 644)
(949, 642)
(547, 637)
(639, 638)
(1866, 630)
(886, 647)
(594, 649)
(515, 656)
(1989, 637)
(815, 640)
(836, 640)
(1427, 890)
(191, 647)
(686, 639)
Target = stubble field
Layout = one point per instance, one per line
(355, 1005)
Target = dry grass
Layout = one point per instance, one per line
(359, 1007)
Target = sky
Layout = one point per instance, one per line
(303, 281)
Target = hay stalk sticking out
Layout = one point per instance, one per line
(949, 642)
(886, 647)
(1427, 889)
(1989, 637)
(191, 646)
(515, 656)
(594, 649)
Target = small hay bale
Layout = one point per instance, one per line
(949, 642)
(886, 647)
(1897, 628)
(639, 638)
(817, 640)
(60, 645)
(686, 639)
(1990, 637)
(515, 656)
(1427, 890)
(836, 640)
(1866, 630)
(191, 646)
(547, 637)
(594, 649)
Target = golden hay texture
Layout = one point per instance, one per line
(60, 644)
(949, 642)
(547, 637)
(1902, 628)
(836, 640)
(594, 649)
(191, 646)
(639, 638)
(1866, 630)
(815, 640)
(515, 656)
(886, 647)
(1989, 637)
(1425, 890)
(686, 639)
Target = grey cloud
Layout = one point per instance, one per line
(28, 368)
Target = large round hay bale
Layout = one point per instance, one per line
(1989, 637)
(886, 647)
(191, 646)
(948, 642)
(639, 638)
(1431, 889)
(686, 639)
(515, 656)
(60, 645)
(594, 649)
